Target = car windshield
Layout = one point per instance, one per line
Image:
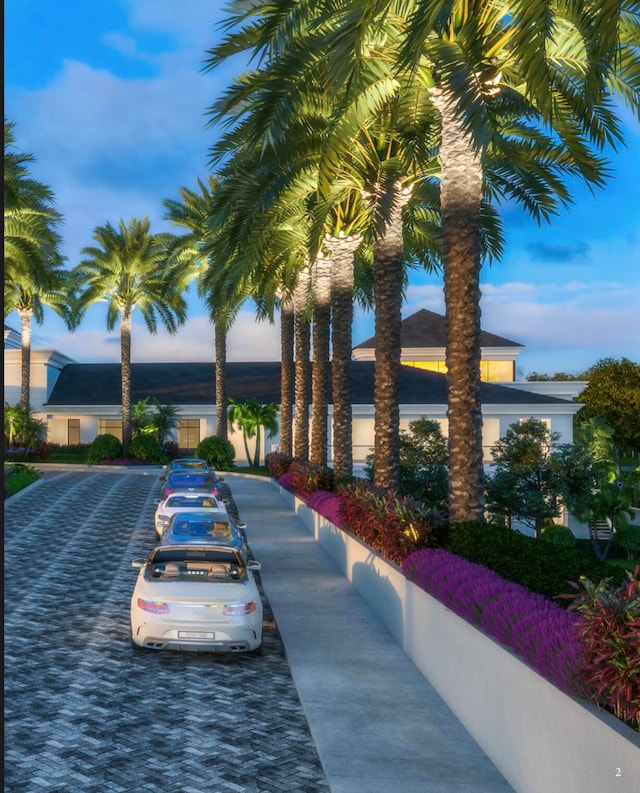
(181, 500)
(189, 465)
(191, 527)
(204, 565)
(189, 478)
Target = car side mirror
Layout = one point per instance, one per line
(220, 479)
(253, 565)
(241, 525)
(138, 563)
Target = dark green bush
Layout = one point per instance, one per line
(146, 447)
(19, 476)
(104, 447)
(218, 452)
(627, 538)
(540, 566)
(559, 535)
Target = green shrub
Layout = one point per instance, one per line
(218, 453)
(104, 447)
(557, 534)
(146, 447)
(628, 539)
(540, 566)
(19, 476)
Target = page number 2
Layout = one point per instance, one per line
(618, 772)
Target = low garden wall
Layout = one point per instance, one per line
(538, 737)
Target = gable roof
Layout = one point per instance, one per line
(93, 384)
(427, 329)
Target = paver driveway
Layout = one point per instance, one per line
(86, 712)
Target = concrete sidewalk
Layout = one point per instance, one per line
(377, 724)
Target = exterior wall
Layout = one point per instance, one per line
(539, 738)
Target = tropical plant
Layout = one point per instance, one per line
(18, 476)
(34, 275)
(128, 269)
(21, 427)
(278, 463)
(218, 453)
(251, 418)
(609, 628)
(31, 239)
(308, 477)
(151, 417)
(200, 248)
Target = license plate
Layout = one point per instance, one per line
(196, 635)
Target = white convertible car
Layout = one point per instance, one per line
(191, 501)
(196, 598)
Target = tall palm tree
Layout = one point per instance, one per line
(33, 272)
(130, 268)
(521, 98)
(197, 248)
(28, 298)
(31, 239)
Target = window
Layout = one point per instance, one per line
(110, 427)
(497, 371)
(188, 433)
(73, 432)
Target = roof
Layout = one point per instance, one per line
(92, 384)
(427, 329)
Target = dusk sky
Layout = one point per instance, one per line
(111, 99)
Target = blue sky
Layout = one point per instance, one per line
(111, 99)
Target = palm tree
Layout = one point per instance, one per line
(31, 240)
(129, 268)
(28, 298)
(251, 417)
(520, 104)
(33, 272)
(198, 248)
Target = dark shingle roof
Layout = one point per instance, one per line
(427, 329)
(93, 384)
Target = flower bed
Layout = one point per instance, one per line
(540, 738)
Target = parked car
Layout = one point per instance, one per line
(191, 500)
(200, 528)
(193, 597)
(181, 480)
(187, 464)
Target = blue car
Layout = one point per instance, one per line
(190, 480)
(212, 528)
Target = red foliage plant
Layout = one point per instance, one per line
(278, 463)
(307, 478)
(609, 626)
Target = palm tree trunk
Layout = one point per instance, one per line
(342, 253)
(388, 274)
(125, 370)
(302, 366)
(287, 376)
(460, 200)
(256, 456)
(220, 342)
(321, 294)
(25, 359)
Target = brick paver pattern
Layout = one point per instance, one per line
(87, 713)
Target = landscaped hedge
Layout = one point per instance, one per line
(540, 566)
(538, 630)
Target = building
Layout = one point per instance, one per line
(81, 400)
